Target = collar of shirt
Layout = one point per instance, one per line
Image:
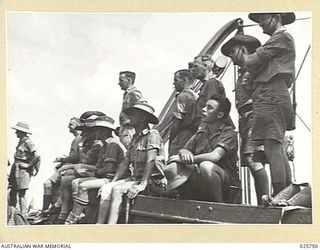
(280, 29)
(210, 75)
(217, 132)
(137, 137)
(129, 89)
(190, 90)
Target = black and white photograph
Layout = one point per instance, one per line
(159, 118)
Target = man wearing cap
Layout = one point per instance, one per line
(88, 152)
(274, 72)
(202, 69)
(26, 164)
(111, 155)
(208, 160)
(51, 187)
(184, 124)
(207, 71)
(235, 48)
(145, 154)
(131, 96)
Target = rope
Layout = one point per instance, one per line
(303, 122)
(304, 58)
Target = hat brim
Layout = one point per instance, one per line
(287, 17)
(82, 127)
(181, 174)
(176, 183)
(151, 118)
(107, 127)
(22, 130)
(244, 40)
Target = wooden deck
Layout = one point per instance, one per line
(148, 209)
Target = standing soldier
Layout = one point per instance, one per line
(202, 69)
(235, 48)
(26, 164)
(274, 70)
(183, 118)
(131, 96)
(206, 70)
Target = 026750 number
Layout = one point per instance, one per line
(308, 245)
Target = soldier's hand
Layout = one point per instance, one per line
(135, 190)
(186, 156)
(174, 158)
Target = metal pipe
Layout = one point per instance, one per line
(174, 218)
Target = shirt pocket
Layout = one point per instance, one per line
(141, 155)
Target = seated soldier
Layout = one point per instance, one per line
(145, 154)
(52, 184)
(88, 152)
(111, 155)
(208, 160)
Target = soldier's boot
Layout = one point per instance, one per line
(72, 219)
(80, 203)
(53, 210)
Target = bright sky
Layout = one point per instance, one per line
(62, 64)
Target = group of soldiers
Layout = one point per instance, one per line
(203, 145)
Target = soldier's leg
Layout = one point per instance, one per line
(23, 201)
(273, 151)
(106, 191)
(260, 177)
(66, 198)
(13, 197)
(287, 168)
(213, 177)
(81, 199)
(47, 194)
(116, 200)
(75, 185)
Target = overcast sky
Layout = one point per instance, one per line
(61, 64)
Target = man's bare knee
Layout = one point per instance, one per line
(253, 166)
(106, 192)
(117, 190)
(208, 168)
